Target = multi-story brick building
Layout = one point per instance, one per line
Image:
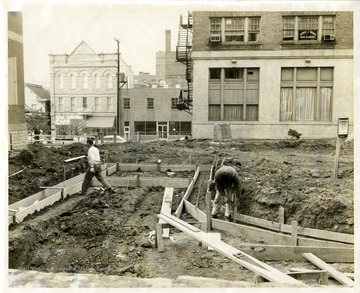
(150, 108)
(16, 98)
(266, 72)
(152, 112)
(83, 91)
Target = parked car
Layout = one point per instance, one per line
(110, 139)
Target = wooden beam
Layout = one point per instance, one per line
(187, 193)
(286, 252)
(236, 255)
(166, 207)
(314, 233)
(322, 276)
(331, 270)
(134, 181)
(258, 234)
(131, 167)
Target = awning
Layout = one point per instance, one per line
(100, 122)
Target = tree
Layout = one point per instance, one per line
(37, 117)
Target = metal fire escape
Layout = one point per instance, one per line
(183, 55)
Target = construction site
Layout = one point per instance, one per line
(293, 224)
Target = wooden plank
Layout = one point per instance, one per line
(236, 255)
(134, 181)
(258, 234)
(321, 276)
(131, 167)
(166, 207)
(36, 206)
(194, 212)
(331, 270)
(187, 193)
(314, 233)
(294, 253)
(111, 169)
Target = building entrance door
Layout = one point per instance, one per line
(162, 130)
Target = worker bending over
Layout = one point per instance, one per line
(94, 169)
(227, 185)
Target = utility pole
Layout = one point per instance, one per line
(118, 89)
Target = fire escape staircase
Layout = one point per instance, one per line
(183, 55)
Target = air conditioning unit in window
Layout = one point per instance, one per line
(328, 38)
(215, 38)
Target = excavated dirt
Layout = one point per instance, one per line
(110, 235)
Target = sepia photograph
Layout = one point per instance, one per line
(177, 145)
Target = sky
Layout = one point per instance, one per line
(58, 27)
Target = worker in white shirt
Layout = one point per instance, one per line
(94, 169)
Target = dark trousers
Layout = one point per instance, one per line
(89, 175)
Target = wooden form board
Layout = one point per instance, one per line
(294, 253)
(166, 207)
(258, 234)
(19, 210)
(139, 181)
(331, 270)
(130, 167)
(232, 253)
(187, 193)
(314, 233)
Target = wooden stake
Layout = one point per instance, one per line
(294, 233)
(281, 217)
(208, 207)
(159, 238)
(337, 156)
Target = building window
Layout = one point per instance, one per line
(145, 127)
(97, 104)
(306, 94)
(174, 101)
(233, 94)
(61, 104)
(85, 81)
(308, 28)
(234, 29)
(108, 104)
(150, 103)
(97, 81)
(126, 103)
(109, 81)
(215, 27)
(254, 29)
(61, 81)
(328, 27)
(180, 128)
(73, 105)
(73, 81)
(84, 102)
(288, 28)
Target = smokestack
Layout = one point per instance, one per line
(167, 40)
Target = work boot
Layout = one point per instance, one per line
(229, 218)
(111, 190)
